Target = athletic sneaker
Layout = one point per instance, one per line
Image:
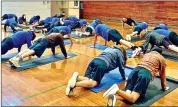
(112, 90)
(111, 101)
(135, 52)
(71, 83)
(14, 62)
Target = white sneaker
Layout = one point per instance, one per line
(14, 62)
(71, 83)
(135, 52)
(112, 90)
(111, 101)
(128, 37)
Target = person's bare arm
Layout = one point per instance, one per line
(70, 37)
(163, 74)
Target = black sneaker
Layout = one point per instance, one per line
(111, 101)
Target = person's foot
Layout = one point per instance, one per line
(136, 52)
(128, 37)
(14, 62)
(111, 101)
(71, 83)
(112, 90)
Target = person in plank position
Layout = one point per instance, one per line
(40, 45)
(34, 20)
(61, 28)
(13, 24)
(90, 29)
(151, 65)
(108, 60)
(161, 26)
(111, 34)
(157, 39)
(171, 35)
(137, 30)
(9, 16)
(129, 21)
(22, 20)
(17, 40)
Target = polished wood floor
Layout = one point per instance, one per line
(45, 85)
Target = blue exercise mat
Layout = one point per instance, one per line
(103, 47)
(67, 42)
(41, 61)
(6, 57)
(113, 77)
(98, 46)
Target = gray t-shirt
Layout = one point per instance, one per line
(113, 57)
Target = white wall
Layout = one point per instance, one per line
(29, 8)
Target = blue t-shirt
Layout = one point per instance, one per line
(20, 20)
(82, 22)
(34, 19)
(113, 57)
(73, 18)
(164, 32)
(142, 25)
(162, 26)
(47, 20)
(22, 37)
(65, 28)
(102, 30)
(94, 24)
(54, 20)
(9, 21)
(11, 16)
(68, 22)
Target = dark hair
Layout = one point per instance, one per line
(63, 32)
(38, 17)
(24, 19)
(34, 35)
(157, 49)
(124, 54)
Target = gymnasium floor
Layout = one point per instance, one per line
(45, 85)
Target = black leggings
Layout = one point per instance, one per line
(173, 37)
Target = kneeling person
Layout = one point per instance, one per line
(108, 60)
(139, 79)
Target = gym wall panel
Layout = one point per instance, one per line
(29, 8)
(149, 11)
(56, 7)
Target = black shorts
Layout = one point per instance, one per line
(96, 70)
(139, 80)
(138, 29)
(40, 46)
(173, 37)
(6, 44)
(166, 42)
(115, 36)
(88, 29)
